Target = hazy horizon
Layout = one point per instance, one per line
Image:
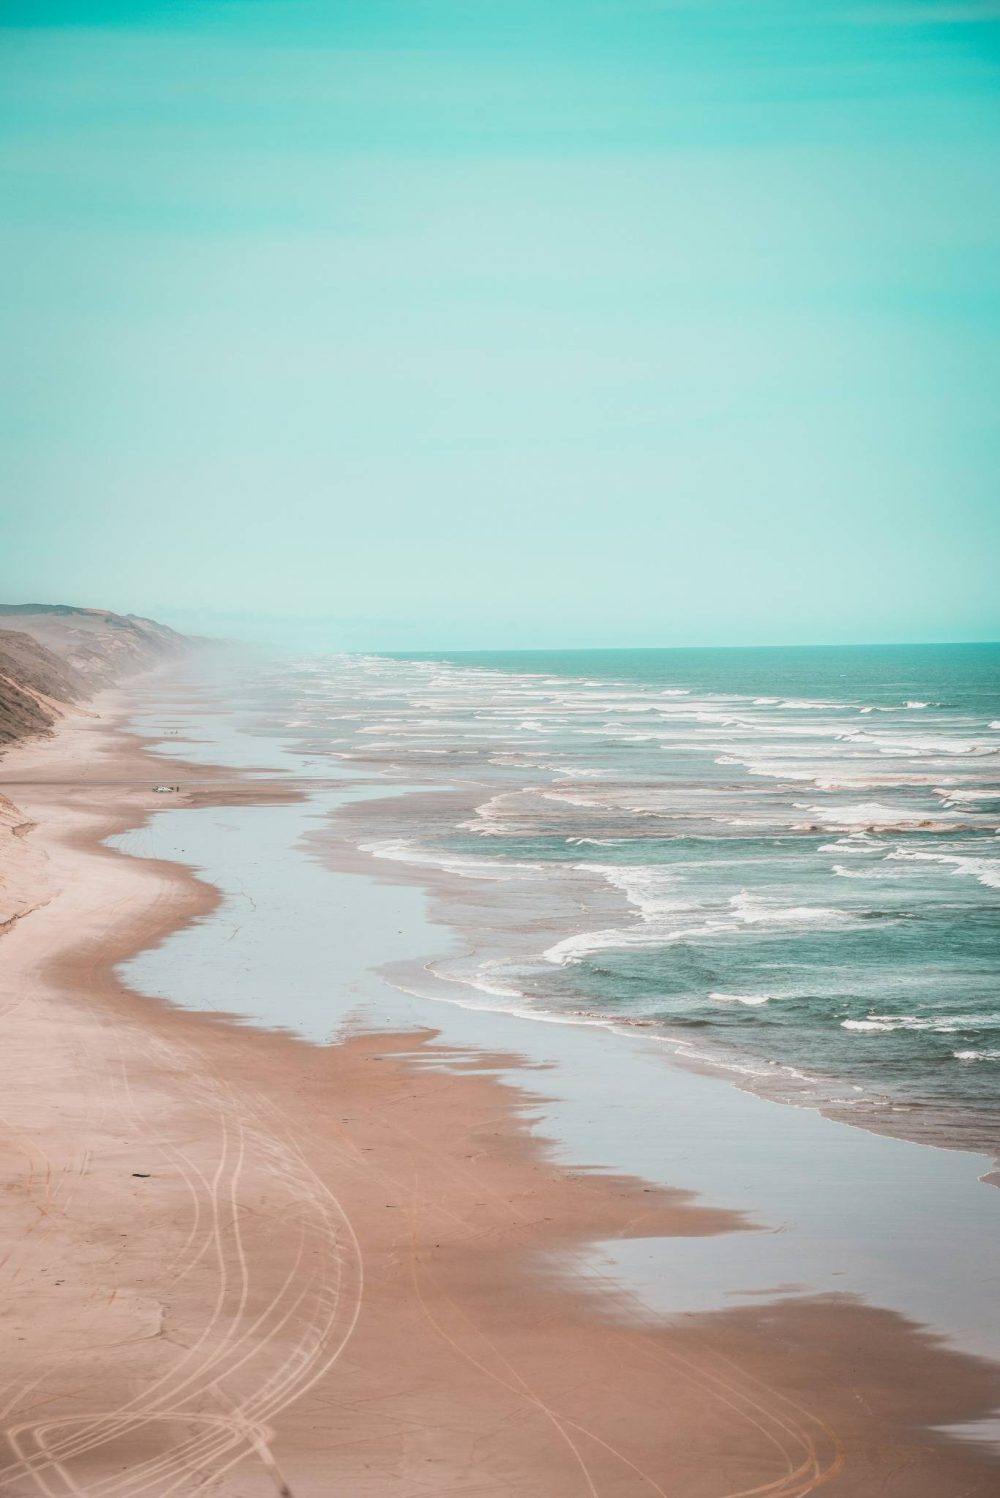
(317, 635)
(435, 326)
(330, 635)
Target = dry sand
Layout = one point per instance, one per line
(232, 1262)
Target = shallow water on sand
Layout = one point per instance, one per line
(786, 861)
(835, 1210)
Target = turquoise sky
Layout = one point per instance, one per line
(457, 323)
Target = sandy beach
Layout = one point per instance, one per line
(234, 1261)
(500, 749)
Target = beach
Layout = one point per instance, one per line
(500, 749)
(275, 1224)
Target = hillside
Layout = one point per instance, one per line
(53, 655)
(96, 646)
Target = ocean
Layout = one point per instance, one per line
(783, 862)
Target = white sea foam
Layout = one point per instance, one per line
(489, 815)
(871, 816)
(895, 707)
(399, 850)
(769, 769)
(485, 982)
(924, 744)
(741, 998)
(854, 843)
(575, 948)
(651, 891)
(572, 798)
(970, 797)
(571, 772)
(938, 762)
(985, 870)
(598, 842)
(841, 780)
(939, 1024)
(754, 911)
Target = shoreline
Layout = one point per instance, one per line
(479, 1356)
(890, 1115)
(789, 945)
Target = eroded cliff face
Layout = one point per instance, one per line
(35, 686)
(92, 646)
(53, 658)
(53, 655)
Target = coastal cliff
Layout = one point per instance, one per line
(53, 657)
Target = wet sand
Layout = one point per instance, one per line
(233, 1261)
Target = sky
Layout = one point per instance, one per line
(391, 324)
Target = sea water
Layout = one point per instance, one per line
(296, 943)
(782, 861)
